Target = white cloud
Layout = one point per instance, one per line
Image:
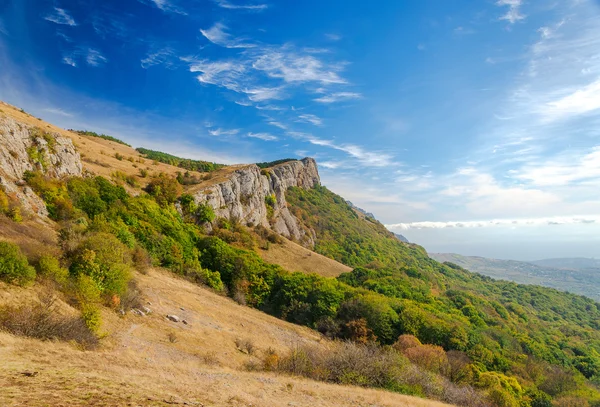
(517, 222)
(61, 16)
(292, 67)
(513, 14)
(228, 5)
(166, 6)
(310, 118)
(366, 158)
(277, 124)
(338, 97)
(218, 35)
(162, 56)
(57, 111)
(567, 171)
(69, 61)
(333, 37)
(95, 58)
(263, 136)
(583, 100)
(221, 132)
(90, 56)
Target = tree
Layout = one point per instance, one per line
(14, 267)
(164, 189)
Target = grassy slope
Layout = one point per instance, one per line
(137, 363)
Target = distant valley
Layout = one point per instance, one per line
(575, 275)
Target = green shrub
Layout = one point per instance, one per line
(106, 260)
(14, 267)
(205, 213)
(4, 202)
(49, 267)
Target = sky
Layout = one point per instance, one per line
(467, 126)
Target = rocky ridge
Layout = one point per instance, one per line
(29, 148)
(257, 197)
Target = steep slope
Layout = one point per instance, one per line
(585, 281)
(139, 365)
(518, 326)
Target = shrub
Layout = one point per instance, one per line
(106, 260)
(205, 213)
(4, 203)
(49, 267)
(14, 267)
(405, 342)
(428, 357)
(43, 321)
(164, 189)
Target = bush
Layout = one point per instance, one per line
(49, 267)
(205, 213)
(164, 189)
(43, 321)
(14, 267)
(105, 260)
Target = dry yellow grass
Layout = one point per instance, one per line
(294, 257)
(138, 365)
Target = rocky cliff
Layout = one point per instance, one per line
(28, 148)
(257, 197)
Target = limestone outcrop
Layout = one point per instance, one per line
(28, 148)
(257, 197)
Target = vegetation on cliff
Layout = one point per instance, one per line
(185, 163)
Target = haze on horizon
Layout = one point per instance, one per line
(468, 127)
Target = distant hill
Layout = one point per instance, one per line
(573, 263)
(401, 238)
(576, 275)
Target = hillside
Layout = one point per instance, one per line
(104, 244)
(565, 275)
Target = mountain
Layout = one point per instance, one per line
(584, 281)
(211, 286)
(577, 263)
(401, 238)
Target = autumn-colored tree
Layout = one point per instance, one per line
(164, 189)
(429, 357)
(358, 331)
(405, 342)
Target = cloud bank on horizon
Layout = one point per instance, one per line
(471, 110)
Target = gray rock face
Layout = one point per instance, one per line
(26, 148)
(243, 196)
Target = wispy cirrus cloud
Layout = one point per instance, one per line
(89, 56)
(231, 6)
(218, 132)
(263, 136)
(168, 6)
(366, 158)
(61, 16)
(217, 34)
(58, 111)
(338, 97)
(513, 15)
(164, 56)
(310, 118)
(292, 67)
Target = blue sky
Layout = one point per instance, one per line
(467, 126)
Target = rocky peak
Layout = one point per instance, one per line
(257, 197)
(28, 148)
